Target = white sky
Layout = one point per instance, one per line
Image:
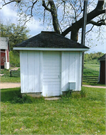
(9, 15)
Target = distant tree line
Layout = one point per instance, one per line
(92, 56)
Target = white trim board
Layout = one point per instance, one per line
(49, 49)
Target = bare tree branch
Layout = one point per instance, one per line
(8, 2)
(33, 7)
(44, 5)
(99, 23)
(90, 29)
(77, 25)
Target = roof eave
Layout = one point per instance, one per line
(49, 49)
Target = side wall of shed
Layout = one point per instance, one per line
(71, 70)
(30, 71)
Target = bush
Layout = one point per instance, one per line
(15, 73)
(24, 99)
(14, 59)
(74, 94)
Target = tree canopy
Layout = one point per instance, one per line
(16, 33)
(66, 15)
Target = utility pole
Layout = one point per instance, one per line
(84, 30)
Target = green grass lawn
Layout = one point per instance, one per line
(69, 115)
(6, 77)
(91, 69)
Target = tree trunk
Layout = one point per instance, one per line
(74, 35)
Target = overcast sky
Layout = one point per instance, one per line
(8, 15)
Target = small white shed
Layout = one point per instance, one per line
(50, 64)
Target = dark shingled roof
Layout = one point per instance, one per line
(103, 58)
(50, 40)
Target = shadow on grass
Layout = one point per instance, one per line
(13, 95)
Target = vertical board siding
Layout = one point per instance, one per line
(41, 72)
(65, 71)
(80, 70)
(24, 77)
(71, 69)
(31, 71)
(51, 74)
(30, 74)
(75, 69)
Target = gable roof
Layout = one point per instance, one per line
(103, 58)
(50, 40)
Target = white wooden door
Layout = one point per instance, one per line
(51, 74)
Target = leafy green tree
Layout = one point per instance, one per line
(16, 33)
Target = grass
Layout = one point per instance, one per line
(6, 77)
(69, 115)
(91, 69)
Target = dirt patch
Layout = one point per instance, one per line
(15, 68)
(94, 86)
(9, 85)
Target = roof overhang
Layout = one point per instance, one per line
(49, 49)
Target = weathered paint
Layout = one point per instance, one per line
(50, 72)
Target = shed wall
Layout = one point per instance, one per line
(30, 71)
(71, 70)
(37, 68)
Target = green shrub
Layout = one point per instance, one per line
(22, 99)
(14, 59)
(15, 73)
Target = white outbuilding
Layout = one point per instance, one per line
(50, 64)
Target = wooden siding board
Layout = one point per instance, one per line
(41, 72)
(51, 73)
(72, 67)
(37, 72)
(24, 76)
(75, 69)
(31, 72)
(65, 70)
(80, 70)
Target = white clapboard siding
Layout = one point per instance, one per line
(23, 68)
(65, 71)
(33, 71)
(75, 69)
(30, 74)
(51, 74)
(71, 70)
